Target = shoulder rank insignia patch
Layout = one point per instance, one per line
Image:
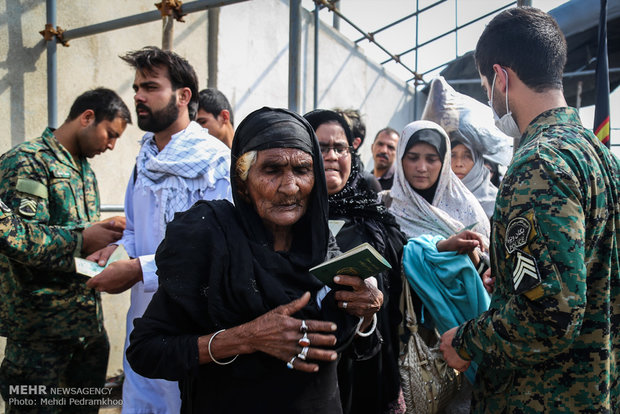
(525, 275)
(517, 233)
(27, 207)
(4, 207)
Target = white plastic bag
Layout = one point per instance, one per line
(467, 120)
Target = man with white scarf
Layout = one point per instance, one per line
(178, 164)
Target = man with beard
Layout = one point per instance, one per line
(51, 319)
(550, 341)
(178, 164)
(383, 154)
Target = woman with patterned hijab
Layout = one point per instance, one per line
(430, 199)
(468, 165)
(238, 320)
(432, 206)
(369, 381)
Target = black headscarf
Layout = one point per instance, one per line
(279, 128)
(235, 265)
(217, 270)
(367, 220)
(356, 198)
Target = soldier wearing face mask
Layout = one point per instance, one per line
(551, 338)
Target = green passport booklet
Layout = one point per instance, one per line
(363, 261)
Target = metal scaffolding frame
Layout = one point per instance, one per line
(417, 77)
(54, 35)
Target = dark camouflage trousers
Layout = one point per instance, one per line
(31, 371)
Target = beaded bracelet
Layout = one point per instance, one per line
(211, 355)
(372, 327)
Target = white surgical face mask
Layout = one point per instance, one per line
(506, 123)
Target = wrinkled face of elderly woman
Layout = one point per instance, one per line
(279, 184)
(336, 155)
(462, 160)
(421, 165)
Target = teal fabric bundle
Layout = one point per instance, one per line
(447, 284)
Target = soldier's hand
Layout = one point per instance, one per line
(101, 256)
(99, 235)
(450, 354)
(117, 277)
(119, 222)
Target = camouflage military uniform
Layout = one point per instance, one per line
(37, 245)
(550, 339)
(52, 321)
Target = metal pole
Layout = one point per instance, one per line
(415, 82)
(402, 19)
(450, 31)
(336, 18)
(316, 56)
(522, 3)
(167, 32)
(52, 68)
(141, 18)
(456, 33)
(578, 74)
(212, 47)
(294, 55)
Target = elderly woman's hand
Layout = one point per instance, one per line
(364, 300)
(278, 334)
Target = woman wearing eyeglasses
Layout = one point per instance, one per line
(368, 375)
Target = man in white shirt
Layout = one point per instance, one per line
(178, 164)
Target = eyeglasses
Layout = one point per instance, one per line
(339, 150)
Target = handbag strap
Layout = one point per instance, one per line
(406, 304)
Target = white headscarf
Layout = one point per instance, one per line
(454, 206)
(478, 181)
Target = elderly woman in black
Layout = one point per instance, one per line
(237, 318)
(369, 383)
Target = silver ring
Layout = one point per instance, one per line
(344, 305)
(289, 364)
(304, 340)
(303, 328)
(304, 353)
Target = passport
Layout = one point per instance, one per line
(363, 261)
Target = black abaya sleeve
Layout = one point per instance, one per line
(160, 346)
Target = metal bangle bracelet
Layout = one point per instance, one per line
(211, 355)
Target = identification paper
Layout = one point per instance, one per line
(90, 269)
